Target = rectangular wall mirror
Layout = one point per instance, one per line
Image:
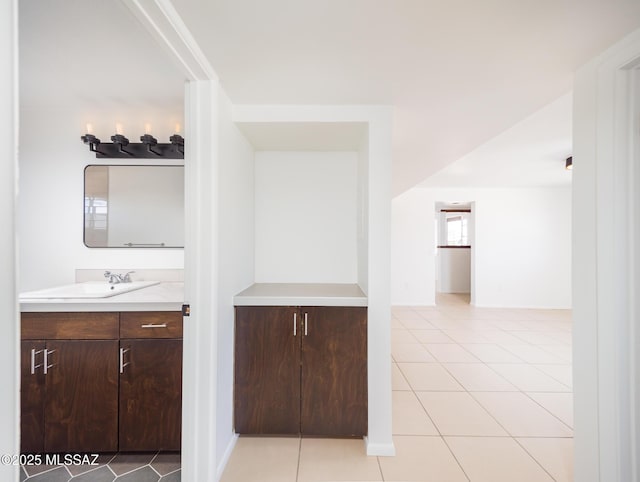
(134, 206)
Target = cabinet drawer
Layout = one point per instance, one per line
(151, 324)
(69, 326)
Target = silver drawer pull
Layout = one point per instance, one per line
(46, 365)
(305, 324)
(122, 363)
(34, 352)
(295, 323)
(151, 325)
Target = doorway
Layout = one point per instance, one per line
(454, 233)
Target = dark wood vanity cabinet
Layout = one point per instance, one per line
(301, 370)
(100, 393)
(150, 381)
(69, 394)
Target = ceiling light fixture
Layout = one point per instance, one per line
(568, 165)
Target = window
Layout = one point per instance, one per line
(457, 232)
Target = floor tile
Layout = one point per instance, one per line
(410, 417)
(466, 336)
(528, 378)
(123, 463)
(421, 459)
(554, 454)
(496, 459)
(537, 338)
(521, 416)
(563, 352)
(102, 459)
(172, 477)
(431, 336)
(398, 381)
(336, 460)
(450, 352)
(23, 475)
(490, 353)
(144, 474)
(417, 324)
(166, 462)
(458, 413)
(478, 377)
(501, 337)
(402, 336)
(561, 373)
(532, 354)
(410, 352)
(101, 474)
(268, 459)
(429, 377)
(60, 474)
(559, 404)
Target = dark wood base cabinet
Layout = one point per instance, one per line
(85, 390)
(301, 370)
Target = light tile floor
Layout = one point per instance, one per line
(480, 395)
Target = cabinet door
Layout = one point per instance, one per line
(32, 394)
(334, 371)
(151, 395)
(267, 370)
(81, 406)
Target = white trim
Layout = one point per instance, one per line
(162, 20)
(380, 450)
(605, 136)
(10, 339)
(200, 353)
(222, 463)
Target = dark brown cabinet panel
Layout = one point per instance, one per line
(334, 371)
(151, 395)
(81, 403)
(76, 396)
(32, 392)
(301, 370)
(267, 370)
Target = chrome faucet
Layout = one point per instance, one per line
(115, 278)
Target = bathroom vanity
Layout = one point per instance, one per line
(301, 360)
(102, 375)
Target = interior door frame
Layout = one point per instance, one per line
(606, 225)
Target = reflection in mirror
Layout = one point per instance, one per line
(134, 206)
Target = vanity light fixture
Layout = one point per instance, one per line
(148, 148)
(568, 164)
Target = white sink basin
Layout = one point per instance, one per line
(88, 289)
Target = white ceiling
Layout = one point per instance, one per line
(458, 72)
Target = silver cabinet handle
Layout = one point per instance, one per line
(34, 352)
(305, 324)
(45, 364)
(295, 324)
(151, 325)
(122, 363)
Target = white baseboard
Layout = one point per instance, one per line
(381, 450)
(226, 456)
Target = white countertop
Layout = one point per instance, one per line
(161, 297)
(301, 294)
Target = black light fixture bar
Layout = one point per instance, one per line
(149, 148)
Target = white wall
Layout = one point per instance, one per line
(455, 270)
(9, 353)
(306, 217)
(52, 161)
(521, 253)
(236, 257)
